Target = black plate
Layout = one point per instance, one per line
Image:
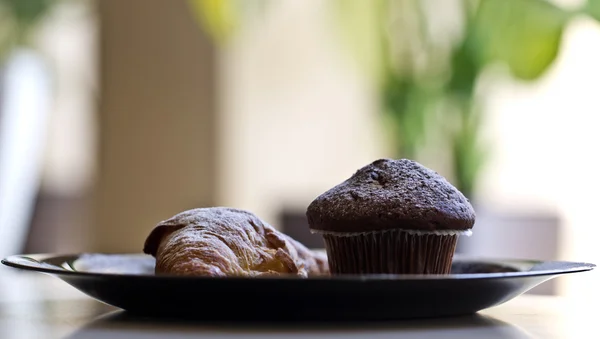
(127, 281)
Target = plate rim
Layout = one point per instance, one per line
(35, 262)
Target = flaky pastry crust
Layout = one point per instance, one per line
(221, 241)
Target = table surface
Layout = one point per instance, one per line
(35, 305)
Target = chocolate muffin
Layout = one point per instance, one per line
(391, 217)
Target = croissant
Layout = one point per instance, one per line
(221, 241)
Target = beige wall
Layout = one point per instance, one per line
(290, 122)
(156, 153)
(297, 117)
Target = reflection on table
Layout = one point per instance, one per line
(122, 325)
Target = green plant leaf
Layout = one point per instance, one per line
(219, 18)
(465, 69)
(222, 19)
(27, 12)
(17, 19)
(468, 152)
(524, 34)
(593, 9)
(408, 106)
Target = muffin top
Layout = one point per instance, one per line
(391, 194)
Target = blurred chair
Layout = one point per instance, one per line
(293, 222)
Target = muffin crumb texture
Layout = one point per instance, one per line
(391, 194)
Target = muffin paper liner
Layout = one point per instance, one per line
(390, 252)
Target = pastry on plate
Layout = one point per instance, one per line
(221, 241)
(391, 216)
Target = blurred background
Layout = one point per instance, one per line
(115, 115)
